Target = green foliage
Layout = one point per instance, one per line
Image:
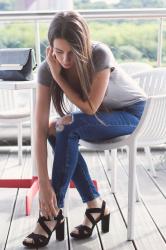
(135, 40)
(86, 4)
(20, 34)
(141, 4)
(128, 40)
(13, 35)
(6, 5)
(128, 52)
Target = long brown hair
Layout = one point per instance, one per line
(72, 27)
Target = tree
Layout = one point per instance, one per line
(141, 4)
(87, 4)
(6, 5)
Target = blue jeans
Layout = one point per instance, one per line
(68, 162)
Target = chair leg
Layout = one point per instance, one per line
(107, 160)
(131, 191)
(137, 190)
(20, 143)
(114, 170)
(151, 165)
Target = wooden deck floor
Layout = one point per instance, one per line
(150, 224)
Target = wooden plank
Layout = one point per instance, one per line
(16, 236)
(160, 167)
(146, 233)
(12, 169)
(4, 157)
(153, 198)
(7, 197)
(75, 217)
(116, 238)
(25, 224)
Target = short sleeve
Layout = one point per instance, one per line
(102, 57)
(44, 76)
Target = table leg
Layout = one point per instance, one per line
(34, 184)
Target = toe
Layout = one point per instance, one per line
(28, 240)
(75, 231)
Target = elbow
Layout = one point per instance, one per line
(89, 111)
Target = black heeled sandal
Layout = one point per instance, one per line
(85, 231)
(41, 240)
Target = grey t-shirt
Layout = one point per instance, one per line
(122, 90)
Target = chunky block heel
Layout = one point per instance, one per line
(41, 240)
(105, 223)
(60, 231)
(85, 231)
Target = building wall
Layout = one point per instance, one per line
(44, 5)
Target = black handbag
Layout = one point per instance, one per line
(17, 64)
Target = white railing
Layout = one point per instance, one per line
(37, 17)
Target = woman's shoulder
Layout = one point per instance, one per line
(44, 74)
(43, 67)
(100, 48)
(102, 55)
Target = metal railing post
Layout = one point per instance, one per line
(37, 42)
(160, 43)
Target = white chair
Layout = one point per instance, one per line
(135, 67)
(150, 131)
(10, 114)
(131, 68)
(153, 82)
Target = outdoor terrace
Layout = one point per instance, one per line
(150, 225)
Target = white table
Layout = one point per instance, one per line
(32, 183)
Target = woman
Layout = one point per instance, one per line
(110, 105)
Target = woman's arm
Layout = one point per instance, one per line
(41, 130)
(47, 197)
(98, 88)
(96, 95)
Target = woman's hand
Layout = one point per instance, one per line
(47, 200)
(53, 63)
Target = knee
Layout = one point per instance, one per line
(59, 123)
(63, 121)
(51, 128)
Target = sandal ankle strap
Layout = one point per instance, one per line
(60, 216)
(43, 219)
(101, 210)
(42, 223)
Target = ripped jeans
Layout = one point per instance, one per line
(68, 162)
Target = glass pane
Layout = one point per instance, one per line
(129, 40)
